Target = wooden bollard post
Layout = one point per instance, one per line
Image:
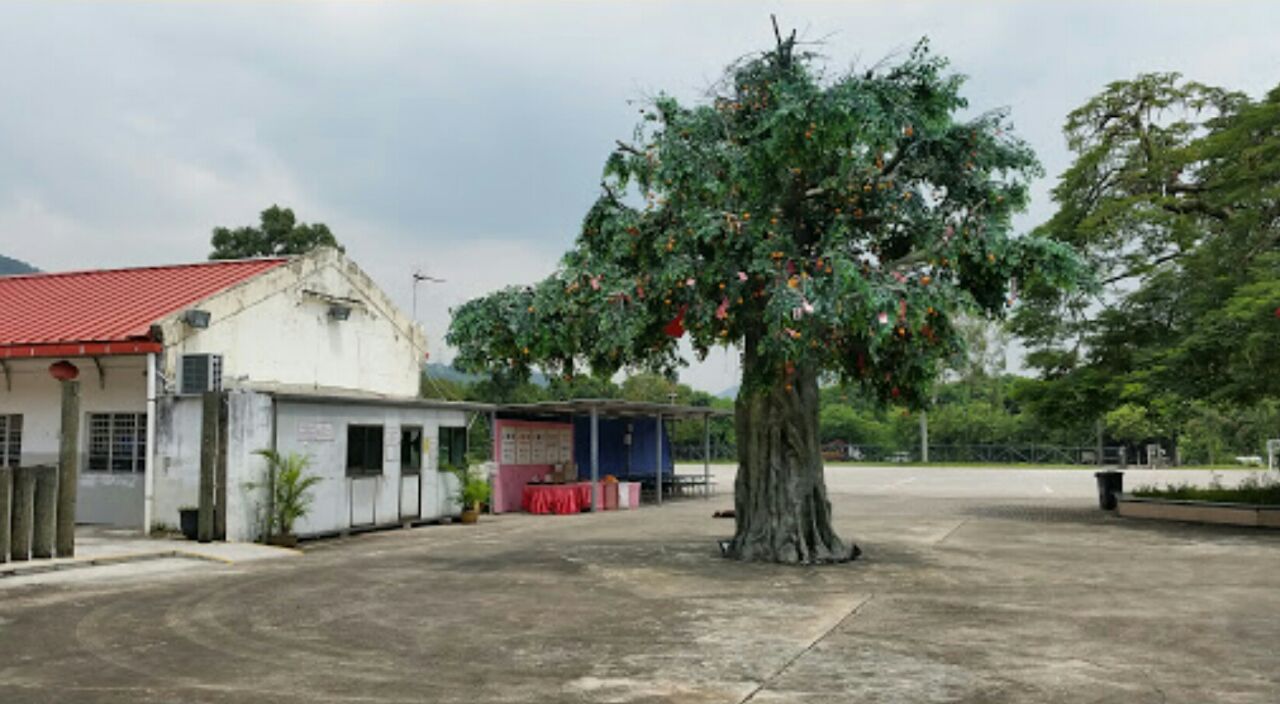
(24, 494)
(68, 468)
(45, 512)
(6, 515)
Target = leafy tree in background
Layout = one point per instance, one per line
(1174, 198)
(824, 225)
(279, 234)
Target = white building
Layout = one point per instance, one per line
(314, 357)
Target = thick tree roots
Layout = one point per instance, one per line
(780, 496)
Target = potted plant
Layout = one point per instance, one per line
(189, 521)
(473, 490)
(289, 490)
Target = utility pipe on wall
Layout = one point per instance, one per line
(149, 469)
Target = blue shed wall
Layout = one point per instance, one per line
(614, 454)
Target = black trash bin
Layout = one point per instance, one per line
(1110, 483)
(188, 521)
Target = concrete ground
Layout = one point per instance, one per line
(98, 548)
(975, 586)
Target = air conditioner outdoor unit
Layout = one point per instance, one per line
(200, 373)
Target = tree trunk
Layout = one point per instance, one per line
(780, 495)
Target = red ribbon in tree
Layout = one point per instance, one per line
(675, 328)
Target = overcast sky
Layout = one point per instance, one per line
(467, 139)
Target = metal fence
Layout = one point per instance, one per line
(890, 454)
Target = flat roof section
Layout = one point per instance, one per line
(606, 407)
(613, 408)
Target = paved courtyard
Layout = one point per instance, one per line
(975, 586)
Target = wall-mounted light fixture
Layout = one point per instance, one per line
(196, 318)
(339, 312)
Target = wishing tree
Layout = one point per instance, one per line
(829, 228)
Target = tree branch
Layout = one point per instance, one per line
(1148, 265)
(623, 146)
(608, 190)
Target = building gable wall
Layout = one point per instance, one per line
(276, 329)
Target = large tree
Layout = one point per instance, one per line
(825, 226)
(279, 234)
(1174, 199)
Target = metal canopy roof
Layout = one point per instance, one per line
(613, 408)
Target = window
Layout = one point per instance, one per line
(410, 450)
(453, 447)
(10, 440)
(364, 450)
(117, 442)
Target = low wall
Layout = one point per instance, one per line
(1250, 515)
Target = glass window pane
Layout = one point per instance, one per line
(99, 441)
(410, 450)
(364, 450)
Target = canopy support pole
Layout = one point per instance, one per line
(706, 457)
(493, 456)
(658, 456)
(595, 458)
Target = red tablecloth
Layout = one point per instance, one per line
(556, 498)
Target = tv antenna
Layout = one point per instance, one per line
(419, 276)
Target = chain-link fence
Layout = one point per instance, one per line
(889, 454)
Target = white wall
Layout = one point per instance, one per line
(177, 458)
(275, 330)
(319, 431)
(121, 388)
(249, 429)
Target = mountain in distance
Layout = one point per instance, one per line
(9, 266)
(446, 372)
(729, 393)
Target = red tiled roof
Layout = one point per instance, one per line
(110, 309)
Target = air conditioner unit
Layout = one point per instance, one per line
(200, 373)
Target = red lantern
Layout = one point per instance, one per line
(63, 371)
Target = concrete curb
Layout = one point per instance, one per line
(1248, 515)
(39, 567)
(45, 566)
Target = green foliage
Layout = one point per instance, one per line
(1254, 489)
(279, 234)
(291, 486)
(1174, 199)
(1130, 423)
(473, 489)
(835, 223)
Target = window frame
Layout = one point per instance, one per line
(119, 435)
(452, 446)
(367, 466)
(10, 439)
(408, 468)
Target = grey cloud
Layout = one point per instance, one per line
(423, 130)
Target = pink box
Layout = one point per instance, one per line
(628, 495)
